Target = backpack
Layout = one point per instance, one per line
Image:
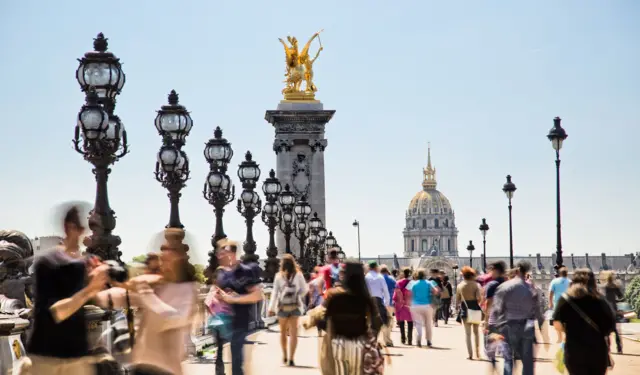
(289, 300)
(335, 274)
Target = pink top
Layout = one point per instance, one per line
(215, 305)
(164, 325)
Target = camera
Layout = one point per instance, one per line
(117, 272)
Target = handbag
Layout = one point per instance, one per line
(473, 316)
(590, 322)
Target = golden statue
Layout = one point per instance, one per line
(299, 68)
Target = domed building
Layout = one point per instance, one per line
(430, 220)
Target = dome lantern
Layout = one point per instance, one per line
(429, 173)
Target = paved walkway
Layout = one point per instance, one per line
(448, 356)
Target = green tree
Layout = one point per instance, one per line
(139, 258)
(202, 279)
(632, 294)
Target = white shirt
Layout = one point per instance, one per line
(279, 284)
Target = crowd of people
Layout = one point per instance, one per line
(353, 306)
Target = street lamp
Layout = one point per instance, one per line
(101, 139)
(301, 210)
(557, 135)
(509, 189)
(249, 203)
(271, 215)
(287, 200)
(484, 228)
(314, 239)
(356, 223)
(322, 233)
(470, 248)
(174, 124)
(455, 283)
(218, 189)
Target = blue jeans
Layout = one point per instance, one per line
(519, 336)
(238, 339)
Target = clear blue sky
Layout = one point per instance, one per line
(481, 81)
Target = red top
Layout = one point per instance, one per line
(326, 274)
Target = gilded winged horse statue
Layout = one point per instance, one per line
(299, 68)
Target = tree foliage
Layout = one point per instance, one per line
(632, 294)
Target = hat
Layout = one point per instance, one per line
(373, 264)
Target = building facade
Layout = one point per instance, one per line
(45, 243)
(430, 224)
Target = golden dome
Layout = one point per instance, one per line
(429, 200)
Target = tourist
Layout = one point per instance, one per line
(352, 314)
(445, 298)
(58, 343)
(391, 286)
(588, 320)
(289, 290)
(240, 286)
(613, 293)
(468, 298)
(435, 301)
(316, 289)
(168, 306)
(497, 272)
(516, 309)
(402, 303)
(422, 294)
(331, 271)
(557, 287)
(379, 291)
(219, 320)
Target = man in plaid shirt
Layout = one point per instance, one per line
(516, 307)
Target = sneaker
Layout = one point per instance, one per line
(429, 344)
(291, 364)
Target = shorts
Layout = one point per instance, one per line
(289, 314)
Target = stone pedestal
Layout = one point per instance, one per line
(299, 145)
(11, 346)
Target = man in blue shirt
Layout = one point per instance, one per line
(379, 291)
(240, 287)
(557, 288)
(391, 286)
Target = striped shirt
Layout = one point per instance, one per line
(515, 300)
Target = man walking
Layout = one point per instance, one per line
(557, 288)
(391, 286)
(516, 308)
(240, 287)
(435, 301)
(379, 291)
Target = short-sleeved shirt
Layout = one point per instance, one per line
(558, 286)
(239, 280)
(490, 291)
(421, 291)
(58, 276)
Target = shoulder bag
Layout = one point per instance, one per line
(473, 316)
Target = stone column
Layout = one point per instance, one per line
(299, 146)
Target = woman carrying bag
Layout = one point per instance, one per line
(289, 290)
(468, 299)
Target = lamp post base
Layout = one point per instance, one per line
(173, 240)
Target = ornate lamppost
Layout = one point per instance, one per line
(470, 248)
(218, 189)
(101, 139)
(484, 228)
(509, 189)
(174, 124)
(330, 242)
(320, 253)
(557, 135)
(287, 201)
(301, 210)
(249, 203)
(356, 223)
(271, 216)
(310, 252)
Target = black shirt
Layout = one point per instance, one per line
(584, 342)
(239, 280)
(57, 276)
